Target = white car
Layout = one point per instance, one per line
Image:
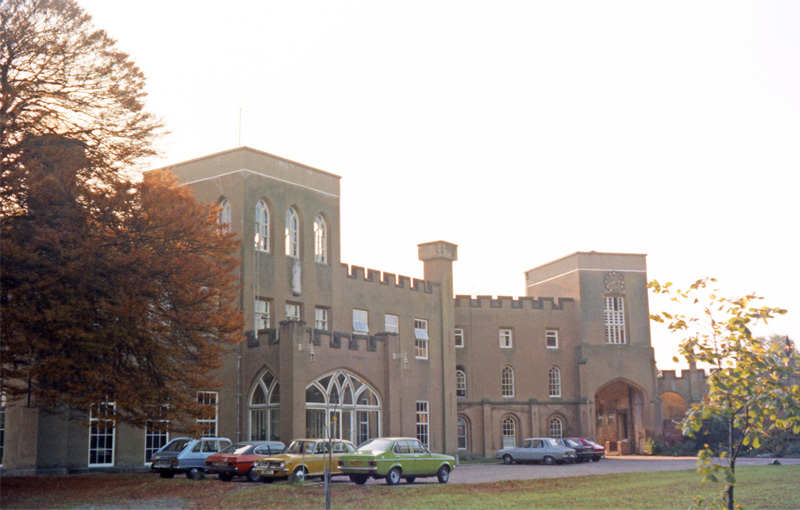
(537, 449)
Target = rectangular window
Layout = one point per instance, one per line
(421, 338)
(156, 435)
(261, 314)
(506, 341)
(423, 423)
(614, 316)
(101, 434)
(360, 321)
(551, 338)
(321, 318)
(209, 420)
(459, 337)
(292, 311)
(391, 324)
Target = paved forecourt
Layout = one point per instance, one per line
(477, 473)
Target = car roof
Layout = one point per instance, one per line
(321, 440)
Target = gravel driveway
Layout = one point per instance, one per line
(476, 473)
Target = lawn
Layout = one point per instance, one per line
(773, 487)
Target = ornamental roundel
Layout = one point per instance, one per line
(614, 282)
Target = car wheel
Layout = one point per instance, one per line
(298, 476)
(443, 474)
(359, 479)
(194, 474)
(508, 459)
(549, 460)
(225, 477)
(252, 476)
(393, 477)
(410, 479)
(166, 473)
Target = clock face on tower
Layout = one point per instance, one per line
(614, 282)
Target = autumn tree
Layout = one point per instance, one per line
(752, 387)
(60, 75)
(125, 293)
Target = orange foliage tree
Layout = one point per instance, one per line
(113, 291)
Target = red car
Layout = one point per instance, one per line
(238, 458)
(599, 451)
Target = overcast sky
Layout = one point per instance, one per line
(521, 131)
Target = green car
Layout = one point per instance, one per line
(393, 458)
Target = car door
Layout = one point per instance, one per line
(425, 463)
(524, 452)
(406, 458)
(537, 449)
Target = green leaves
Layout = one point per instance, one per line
(751, 388)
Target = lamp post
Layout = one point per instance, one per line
(332, 422)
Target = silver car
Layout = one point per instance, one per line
(537, 449)
(186, 455)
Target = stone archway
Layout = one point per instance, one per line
(619, 407)
(673, 410)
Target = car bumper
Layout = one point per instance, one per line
(223, 470)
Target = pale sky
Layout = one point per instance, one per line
(521, 131)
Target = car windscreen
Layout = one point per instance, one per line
(375, 445)
(301, 447)
(236, 449)
(550, 442)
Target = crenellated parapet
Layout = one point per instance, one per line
(511, 303)
(386, 279)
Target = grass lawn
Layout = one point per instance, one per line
(773, 487)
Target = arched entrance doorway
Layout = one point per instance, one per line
(620, 417)
(673, 410)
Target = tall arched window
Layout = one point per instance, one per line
(509, 432)
(461, 384)
(225, 216)
(265, 400)
(320, 240)
(292, 234)
(554, 382)
(461, 432)
(556, 428)
(348, 398)
(507, 382)
(262, 226)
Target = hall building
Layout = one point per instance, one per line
(387, 354)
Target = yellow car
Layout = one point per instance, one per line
(304, 458)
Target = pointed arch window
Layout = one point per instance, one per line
(225, 216)
(262, 226)
(320, 240)
(265, 400)
(554, 382)
(292, 234)
(342, 405)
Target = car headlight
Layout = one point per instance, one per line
(282, 464)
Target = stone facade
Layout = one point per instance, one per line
(391, 355)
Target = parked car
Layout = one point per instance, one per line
(186, 455)
(393, 458)
(238, 458)
(537, 449)
(304, 458)
(599, 450)
(582, 452)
